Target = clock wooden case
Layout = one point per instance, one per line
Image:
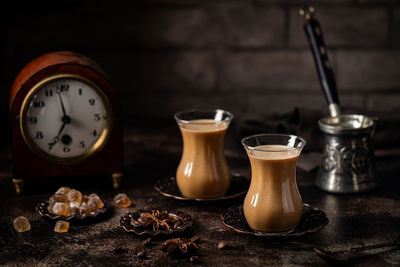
(65, 120)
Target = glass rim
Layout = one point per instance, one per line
(227, 119)
(289, 136)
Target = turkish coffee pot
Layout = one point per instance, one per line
(348, 164)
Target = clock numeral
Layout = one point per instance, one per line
(80, 91)
(66, 149)
(62, 87)
(33, 120)
(39, 135)
(97, 117)
(38, 104)
(94, 133)
(82, 144)
(92, 101)
(48, 92)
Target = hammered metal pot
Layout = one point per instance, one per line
(348, 164)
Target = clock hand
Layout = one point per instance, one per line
(62, 104)
(57, 137)
(65, 119)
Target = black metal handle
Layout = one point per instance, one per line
(318, 48)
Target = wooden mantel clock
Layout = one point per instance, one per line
(65, 119)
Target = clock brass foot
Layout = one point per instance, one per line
(117, 177)
(19, 185)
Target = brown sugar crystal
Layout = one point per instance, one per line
(62, 190)
(71, 202)
(57, 198)
(61, 208)
(74, 211)
(122, 200)
(21, 224)
(95, 202)
(84, 208)
(61, 227)
(74, 196)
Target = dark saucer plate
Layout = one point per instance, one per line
(125, 223)
(168, 187)
(41, 208)
(312, 220)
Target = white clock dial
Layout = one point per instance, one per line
(66, 118)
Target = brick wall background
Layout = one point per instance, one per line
(250, 57)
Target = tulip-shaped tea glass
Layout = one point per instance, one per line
(273, 202)
(203, 171)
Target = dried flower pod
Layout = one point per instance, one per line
(179, 246)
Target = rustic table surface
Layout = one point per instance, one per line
(356, 221)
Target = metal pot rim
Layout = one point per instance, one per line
(348, 124)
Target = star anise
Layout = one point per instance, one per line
(180, 246)
(157, 219)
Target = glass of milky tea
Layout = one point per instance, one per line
(273, 202)
(203, 171)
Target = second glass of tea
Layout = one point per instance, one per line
(273, 202)
(203, 171)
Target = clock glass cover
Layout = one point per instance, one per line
(65, 118)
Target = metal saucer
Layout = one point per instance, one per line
(168, 187)
(125, 223)
(312, 220)
(41, 208)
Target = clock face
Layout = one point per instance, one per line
(65, 118)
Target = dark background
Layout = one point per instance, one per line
(250, 57)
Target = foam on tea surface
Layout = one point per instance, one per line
(274, 152)
(204, 125)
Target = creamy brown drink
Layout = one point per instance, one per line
(203, 171)
(273, 202)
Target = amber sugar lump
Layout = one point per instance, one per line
(61, 208)
(21, 224)
(95, 202)
(57, 198)
(74, 196)
(74, 211)
(122, 200)
(62, 190)
(84, 208)
(61, 227)
(71, 202)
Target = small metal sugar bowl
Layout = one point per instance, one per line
(348, 164)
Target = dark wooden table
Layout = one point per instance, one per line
(355, 220)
